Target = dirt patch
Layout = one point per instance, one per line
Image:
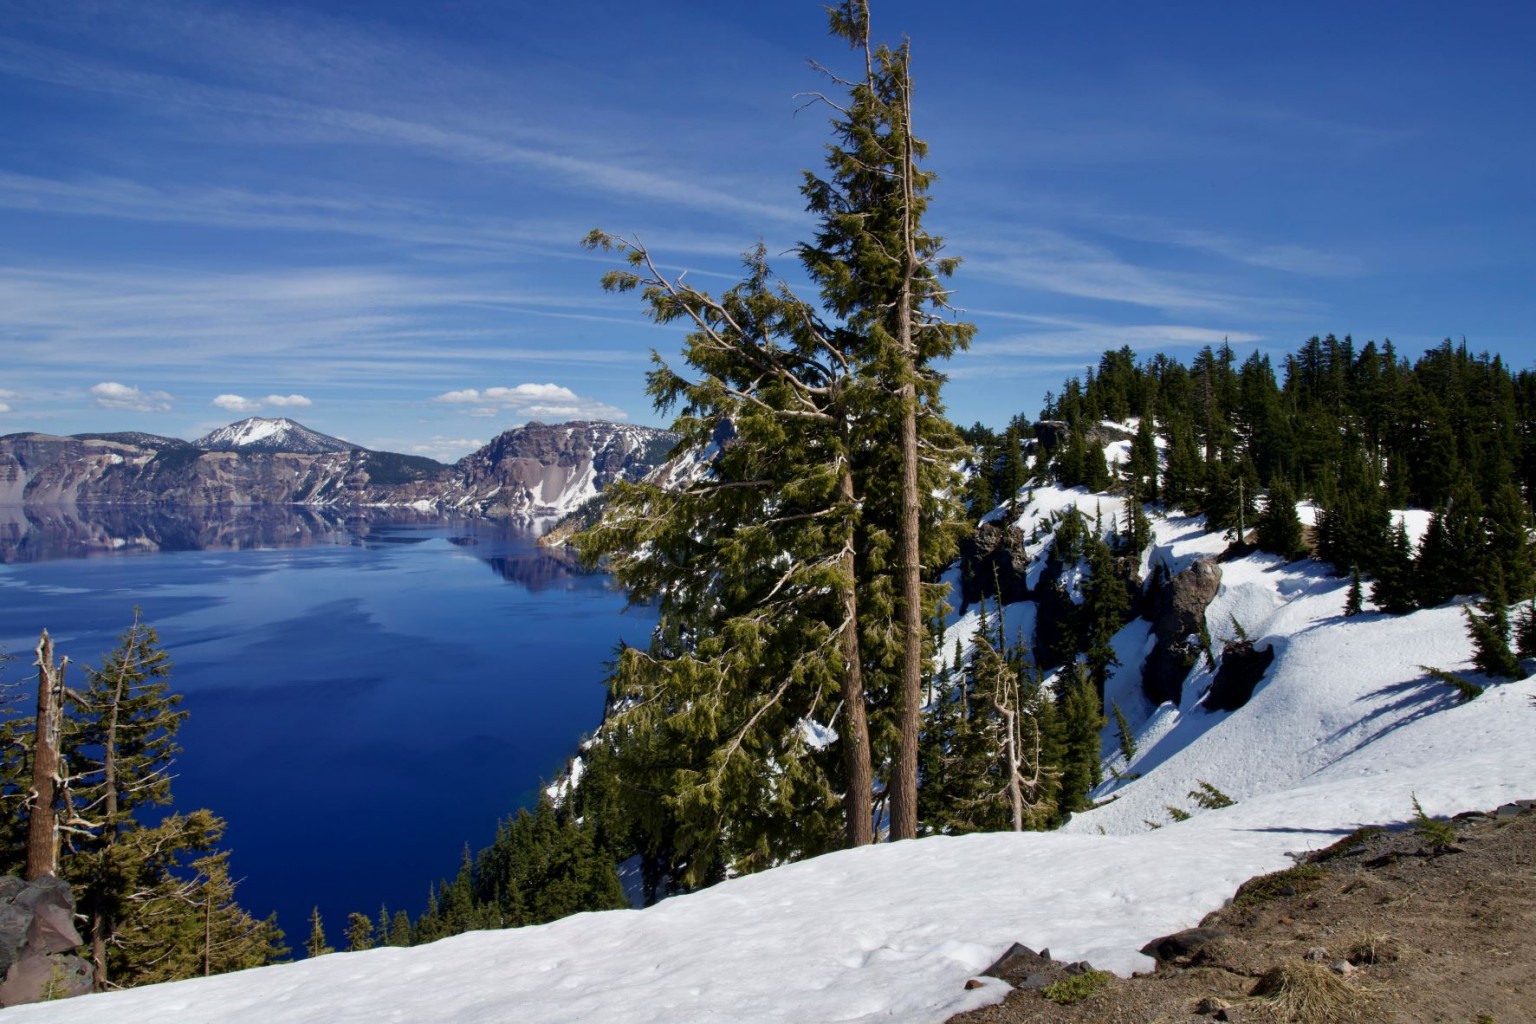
(1414, 925)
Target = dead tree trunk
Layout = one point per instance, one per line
(42, 819)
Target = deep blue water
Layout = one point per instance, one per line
(365, 696)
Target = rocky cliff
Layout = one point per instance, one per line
(532, 472)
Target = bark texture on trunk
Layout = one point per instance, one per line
(42, 823)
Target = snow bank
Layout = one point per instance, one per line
(1344, 730)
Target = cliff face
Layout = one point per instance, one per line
(531, 472)
(543, 470)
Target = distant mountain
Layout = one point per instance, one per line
(137, 437)
(260, 434)
(534, 472)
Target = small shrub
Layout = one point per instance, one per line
(1177, 813)
(1076, 988)
(1438, 834)
(1468, 691)
(1278, 884)
(1209, 797)
(1310, 993)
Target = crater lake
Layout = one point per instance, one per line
(366, 694)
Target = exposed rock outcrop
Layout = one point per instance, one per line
(37, 942)
(993, 560)
(1178, 613)
(1242, 667)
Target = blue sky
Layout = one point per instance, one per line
(365, 215)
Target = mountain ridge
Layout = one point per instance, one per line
(535, 471)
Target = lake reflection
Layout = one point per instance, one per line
(365, 696)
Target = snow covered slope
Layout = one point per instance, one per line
(1344, 730)
(260, 434)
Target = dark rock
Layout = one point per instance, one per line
(37, 939)
(10, 886)
(1178, 611)
(974, 983)
(1508, 811)
(53, 930)
(993, 562)
(1242, 667)
(1182, 944)
(1017, 955)
(46, 890)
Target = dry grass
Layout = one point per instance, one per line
(1367, 948)
(1307, 993)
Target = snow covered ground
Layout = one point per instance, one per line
(1346, 729)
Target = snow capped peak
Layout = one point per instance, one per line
(280, 434)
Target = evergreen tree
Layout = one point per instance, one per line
(1141, 467)
(122, 737)
(1105, 608)
(543, 866)
(316, 945)
(1278, 526)
(1393, 589)
(1355, 601)
(826, 411)
(182, 920)
(1081, 714)
(359, 932)
(400, 929)
(1525, 630)
(1489, 629)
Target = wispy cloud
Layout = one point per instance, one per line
(1053, 262)
(538, 401)
(112, 395)
(309, 121)
(327, 325)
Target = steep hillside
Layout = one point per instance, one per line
(1343, 729)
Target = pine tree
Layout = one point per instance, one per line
(1393, 589)
(316, 945)
(123, 740)
(1354, 603)
(1489, 629)
(1278, 526)
(882, 274)
(1525, 630)
(181, 919)
(1082, 716)
(794, 551)
(1105, 608)
(359, 932)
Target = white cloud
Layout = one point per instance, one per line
(292, 401)
(447, 449)
(534, 401)
(4, 407)
(4, 393)
(112, 395)
(235, 403)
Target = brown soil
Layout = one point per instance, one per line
(1397, 927)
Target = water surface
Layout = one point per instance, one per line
(366, 694)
